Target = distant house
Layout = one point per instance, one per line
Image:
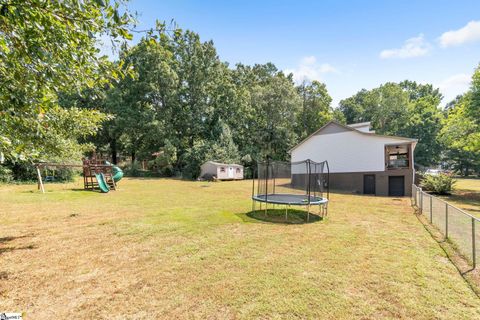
(361, 161)
(221, 171)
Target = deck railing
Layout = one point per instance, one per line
(397, 164)
(457, 226)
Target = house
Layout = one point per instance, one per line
(221, 171)
(361, 161)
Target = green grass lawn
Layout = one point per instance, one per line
(163, 248)
(466, 195)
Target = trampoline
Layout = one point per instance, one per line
(303, 183)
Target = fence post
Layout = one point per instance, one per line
(474, 251)
(421, 201)
(431, 211)
(446, 221)
(414, 194)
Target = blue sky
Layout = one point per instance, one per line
(349, 45)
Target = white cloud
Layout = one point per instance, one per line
(413, 47)
(454, 85)
(309, 70)
(469, 33)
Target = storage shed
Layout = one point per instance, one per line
(221, 171)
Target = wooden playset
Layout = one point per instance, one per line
(97, 174)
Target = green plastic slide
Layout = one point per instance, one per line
(116, 171)
(102, 183)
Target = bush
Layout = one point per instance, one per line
(194, 158)
(5, 174)
(26, 172)
(64, 174)
(165, 160)
(439, 184)
(133, 170)
(23, 171)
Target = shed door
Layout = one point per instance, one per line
(230, 172)
(396, 186)
(369, 184)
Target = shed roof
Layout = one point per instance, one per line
(224, 164)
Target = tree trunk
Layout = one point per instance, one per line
(113, 150)
(133, 157)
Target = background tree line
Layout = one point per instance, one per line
(184, 106)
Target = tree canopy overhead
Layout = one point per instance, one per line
(48, 47)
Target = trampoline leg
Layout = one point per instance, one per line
(260, 206)
(308, 213)
(266, 206)
(286, 213)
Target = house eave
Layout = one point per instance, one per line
(406, 140)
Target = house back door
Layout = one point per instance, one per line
(369, 184)
(396, 186)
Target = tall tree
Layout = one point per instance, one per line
(461, 131)
(316, 109)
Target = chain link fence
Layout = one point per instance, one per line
(460, 228)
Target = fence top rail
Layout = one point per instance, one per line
(461, 211)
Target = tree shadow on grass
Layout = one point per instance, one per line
(279, 216)
(5, 240)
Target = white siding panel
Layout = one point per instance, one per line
(345, 151)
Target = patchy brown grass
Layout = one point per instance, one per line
(160, 248)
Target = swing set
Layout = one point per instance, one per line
(97, 174)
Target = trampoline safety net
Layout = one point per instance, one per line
(295, 183)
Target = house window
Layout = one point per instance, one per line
(238, 170)
(222, 169)
(397, 156)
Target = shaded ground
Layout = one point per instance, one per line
(160, 248)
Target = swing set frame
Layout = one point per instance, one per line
(90, 168)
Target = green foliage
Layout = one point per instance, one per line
(133, 170)
(424, 123)
(439, 184)
(316, 110)
(5, 174)
(224, 149)
(25, 171)
(164, 163)
(47, 47)
(460, 134)
(183, 106)
(194, 158)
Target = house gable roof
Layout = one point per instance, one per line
(335, 127)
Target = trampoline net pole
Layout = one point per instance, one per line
(253, 189)
(309, 166)
(266, 184)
